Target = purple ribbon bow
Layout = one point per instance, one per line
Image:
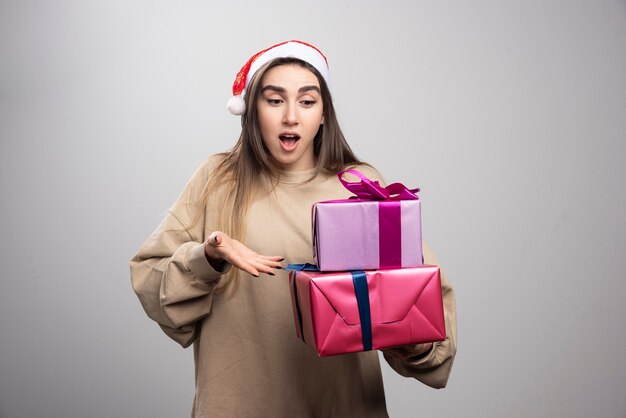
(368, 189)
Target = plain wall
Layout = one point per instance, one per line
(511, 117)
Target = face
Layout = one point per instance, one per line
(290, 111)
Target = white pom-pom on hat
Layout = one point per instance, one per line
(290, 49)
(236, 105)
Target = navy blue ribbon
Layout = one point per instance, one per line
(302, 267)
(298, 311)
(296, 268)
(359, 280)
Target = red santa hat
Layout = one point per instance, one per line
(289, 49)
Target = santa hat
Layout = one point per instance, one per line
(290, 49)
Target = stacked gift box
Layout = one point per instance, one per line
(369, 288)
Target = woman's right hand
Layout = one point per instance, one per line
(220, 247)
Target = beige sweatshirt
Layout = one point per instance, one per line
(248, 360)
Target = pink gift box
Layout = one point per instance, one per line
(377, 228)
(346, 312)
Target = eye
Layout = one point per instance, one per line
(273, 102)
(308, 103)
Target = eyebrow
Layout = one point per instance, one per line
(277, 89)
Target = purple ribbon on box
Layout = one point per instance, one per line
(389, 213)
(367, 189)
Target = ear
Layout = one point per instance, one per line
(322, 122)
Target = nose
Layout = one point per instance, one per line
(290, 117)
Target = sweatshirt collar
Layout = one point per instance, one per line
(294, 177)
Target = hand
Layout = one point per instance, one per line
(413, 352)
(220, 247)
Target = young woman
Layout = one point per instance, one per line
(210, 274)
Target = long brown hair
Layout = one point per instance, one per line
(248, 165)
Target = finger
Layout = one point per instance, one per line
(272, 264)
(247, 267)
(276, 262)
(394, 353)
(272, 257)
(215, 238)
(263, 268)
(423, 348)
(236, 260)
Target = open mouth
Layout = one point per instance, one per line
(289, 140)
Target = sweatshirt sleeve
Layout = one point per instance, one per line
(170, 273)
(432, 368)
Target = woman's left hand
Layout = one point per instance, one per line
(413, 352)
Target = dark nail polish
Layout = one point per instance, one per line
(271, 274)
(279, 268)
(282, 259)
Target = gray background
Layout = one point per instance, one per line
(510, 115)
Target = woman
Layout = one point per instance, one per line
(210, 274)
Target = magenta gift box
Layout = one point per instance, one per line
(346, 312)
(377, 228)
